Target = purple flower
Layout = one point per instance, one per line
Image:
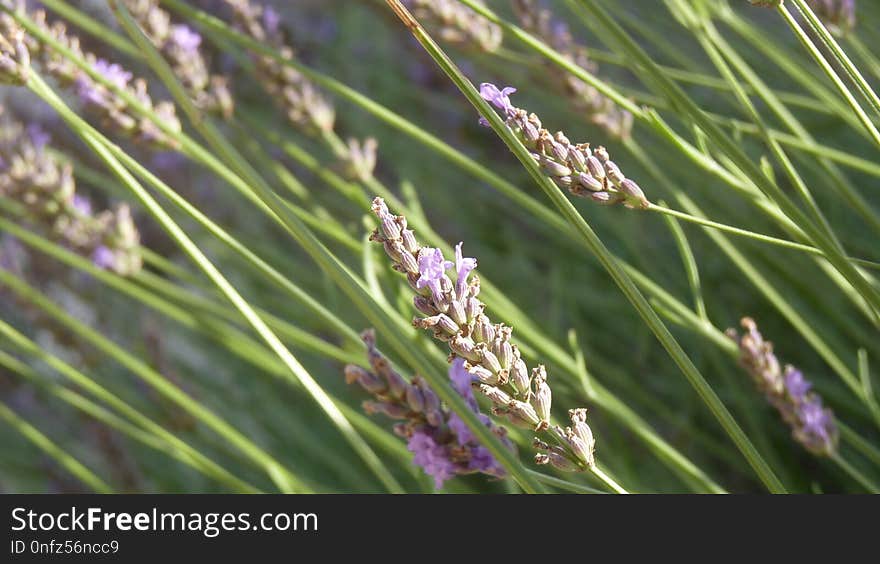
(816, 425)
(463, 266)
(432, 271)
(186, 38)
(271, 20)
(461, 378)
(82, 205)
(103, 257)
(38, 136)
(796, 384)
(483, 461)
(432, 457)
(92, 93)
(460, 429)
(168, 160)
(498, 98)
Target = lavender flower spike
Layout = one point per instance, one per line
(306, 107)
(788, 391)
(585, 172)
(442, 445)
(15, 60)
(112, 109)
(458, 24)
(482, 353)
(180, 44)
(46, 190)
(584, 98)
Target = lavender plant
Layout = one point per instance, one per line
(702, 142)
(585, 99)
(786, 389)
(181, 45)
(584, 172)
(454, 314)
(31, 176)
(458, 24)
(112, 109)
(441, 443)
(306, 107)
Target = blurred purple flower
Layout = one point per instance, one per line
(92, 93)
(461, 378)
(38, 136)
(103, 257)
(796, 384)
(82, 204)
(186, 38)
(271, 20)
(432, 457)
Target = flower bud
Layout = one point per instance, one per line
(465, 348)
(409, 241)
(590, 183)
(614, 174)
(415, 399)
(542, 397)
(483, 375)
(423, 304)
(495, 395)
(594, 166)
(457, 313)
(523, 414)
(490, 361)
(519, 376)
(552, 168)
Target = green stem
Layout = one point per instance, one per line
(827, 68)
(44, 443)
(690, 264)
(855, 473)
(750, 234)
(843, 60)
(601, 19)
(162, 441)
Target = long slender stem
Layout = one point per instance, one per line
(147, 433)
(750, 234)
(829, 71)
(44, 443)
(601, 19)
(855, 473)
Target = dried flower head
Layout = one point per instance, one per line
(456, 23)
(447, 297)
(441, 443)
(585, 99)
(585, 172)
(788, 391)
